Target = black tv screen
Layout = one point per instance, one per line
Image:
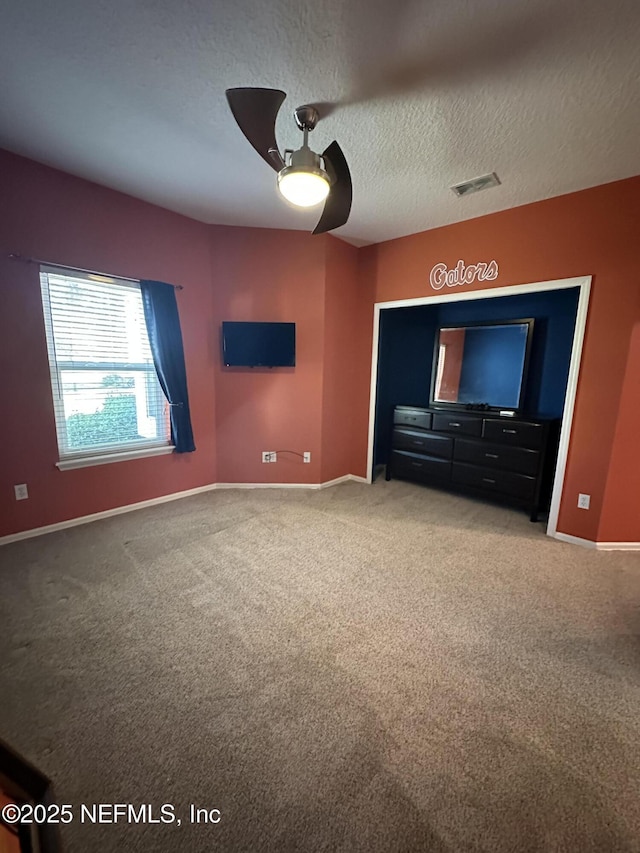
(259, 344)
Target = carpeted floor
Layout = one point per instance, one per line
(365, 668)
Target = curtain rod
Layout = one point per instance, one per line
(16, 257)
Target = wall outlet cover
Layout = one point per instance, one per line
(584, 501)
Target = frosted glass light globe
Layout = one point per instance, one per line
(304, 188)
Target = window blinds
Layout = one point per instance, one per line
(105, 390)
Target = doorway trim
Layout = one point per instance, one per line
(582, 282)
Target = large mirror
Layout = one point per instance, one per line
(481, 365)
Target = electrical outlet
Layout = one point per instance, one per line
(269, 456)
(584, 501)
(274, 456)
(21, 492)
(306, 456)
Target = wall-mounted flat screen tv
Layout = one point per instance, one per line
(481, 365)
(258, 344)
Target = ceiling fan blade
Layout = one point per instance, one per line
(255, 110)
(338, 204)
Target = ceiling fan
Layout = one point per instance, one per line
(304, 177)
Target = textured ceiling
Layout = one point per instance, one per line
(420, 95)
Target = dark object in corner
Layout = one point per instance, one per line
(25, 785)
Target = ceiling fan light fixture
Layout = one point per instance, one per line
(303, 186)
(305, 179)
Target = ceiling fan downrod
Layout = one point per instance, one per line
(304, 158)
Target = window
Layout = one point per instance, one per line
(107, 398)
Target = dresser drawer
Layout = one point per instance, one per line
(524, 433)
(453, 422)
(417, 467)
(412, 417)
(522, 460)
(493, 480)
(422, 442)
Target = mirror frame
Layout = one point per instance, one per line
(474, 407)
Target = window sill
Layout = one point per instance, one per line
(116, 456)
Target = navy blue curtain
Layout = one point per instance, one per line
(165, 337)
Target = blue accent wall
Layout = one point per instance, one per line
(405, 352)
(406, 347)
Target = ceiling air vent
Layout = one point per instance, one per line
(476, 184)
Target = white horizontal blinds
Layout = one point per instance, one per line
(105, 389)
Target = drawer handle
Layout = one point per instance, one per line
(488, 480)
(419, 443)
(511, 431)
(492, 455)
(453, 424)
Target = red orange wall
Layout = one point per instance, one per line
(347, 364)
(321, 406)
(620, 518)
(265, 275)
(53, 216)
(593, 232)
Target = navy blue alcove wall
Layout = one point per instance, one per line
(406, 342)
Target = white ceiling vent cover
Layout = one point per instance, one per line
(476, 184)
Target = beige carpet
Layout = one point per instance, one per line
(366, 668)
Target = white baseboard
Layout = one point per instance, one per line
(618, 546)
(96, 516)
(573, 540)
(343, 479)
(268, 485)
(119, 510)
(599, 546)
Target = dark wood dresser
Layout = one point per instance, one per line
(481, 453)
